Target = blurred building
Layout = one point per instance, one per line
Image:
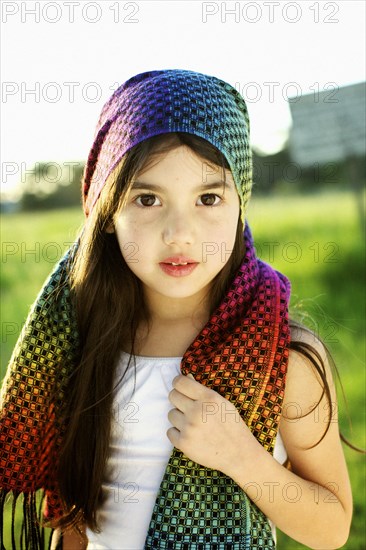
(329, 126)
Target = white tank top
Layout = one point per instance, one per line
(139, 452)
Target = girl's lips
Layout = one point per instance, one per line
(178, 260)
(178, 270)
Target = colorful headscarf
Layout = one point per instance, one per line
(242, 351)
(157, 102)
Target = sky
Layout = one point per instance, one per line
(61, 61)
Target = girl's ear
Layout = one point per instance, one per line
(110, 228)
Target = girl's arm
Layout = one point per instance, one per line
(313, 502)
(71, 540)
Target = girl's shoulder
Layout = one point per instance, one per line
(310, 400)
(308, 352)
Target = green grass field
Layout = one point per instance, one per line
(316, 240)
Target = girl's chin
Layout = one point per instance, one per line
(177, 290)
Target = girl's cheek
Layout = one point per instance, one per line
(128, 223)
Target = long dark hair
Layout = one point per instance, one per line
(110, 307)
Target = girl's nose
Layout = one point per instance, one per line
(178, 229)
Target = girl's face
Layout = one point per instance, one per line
(178, 226)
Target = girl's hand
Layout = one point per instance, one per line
(207, 428)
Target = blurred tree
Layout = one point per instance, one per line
(52, 185)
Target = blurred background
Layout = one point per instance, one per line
(301, 68)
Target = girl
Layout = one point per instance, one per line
(151, 390)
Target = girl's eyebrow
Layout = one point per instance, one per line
(138, 185)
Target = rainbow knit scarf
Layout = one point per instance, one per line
(242, 353)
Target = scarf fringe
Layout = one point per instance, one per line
(30, 532)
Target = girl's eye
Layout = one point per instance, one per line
(146, 200)
(209, 199)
